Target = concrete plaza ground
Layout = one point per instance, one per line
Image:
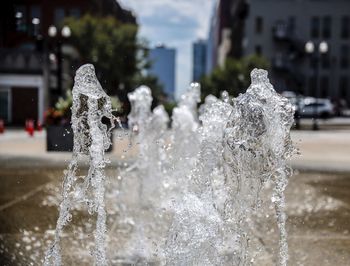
(326, 150)
(318, 201)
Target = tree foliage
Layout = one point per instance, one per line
(119, 57)
(234, 77)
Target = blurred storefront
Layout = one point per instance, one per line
(33, 73)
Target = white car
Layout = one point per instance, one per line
(322, 108)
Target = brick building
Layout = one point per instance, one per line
(28, 83)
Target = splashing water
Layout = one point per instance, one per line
(256, 146)
(197, 230)
(91, 138)
(184, 138)
(199, 183)
(149, 132)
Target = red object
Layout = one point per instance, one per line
(30, 127)
(2, 126)
(39, 127)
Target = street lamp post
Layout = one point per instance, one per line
(297, 117)
(36, 23)
(315, 56)
(65, 33)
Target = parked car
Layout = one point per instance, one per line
(311, 107)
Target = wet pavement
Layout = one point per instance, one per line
(318, 209)
(318, 206)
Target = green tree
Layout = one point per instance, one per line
(233, 77)
(119, 57)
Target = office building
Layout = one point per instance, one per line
(163, 67)
(226, 31)
(199, 49)
(279, 30)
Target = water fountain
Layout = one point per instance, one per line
(198, 183)
(91, 138)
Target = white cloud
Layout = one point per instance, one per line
(199, 10)
(177, 23)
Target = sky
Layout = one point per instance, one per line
(175, 23)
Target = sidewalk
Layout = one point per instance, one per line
(18, 148)
(320, 151)
(324, 151)
(326, 124)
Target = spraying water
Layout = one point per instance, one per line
(198, 184)
(91, 139)
(256, 146)
(241, 147)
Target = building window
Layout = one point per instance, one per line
(345, 27)
(327, 27)
(343, 87)
(21, 18)
(312, 86)
(74, 12)
(291, 24)
(344, 56)
(259, 25)
(258, 49)
(315, 27)
(325, 60)
(4, 105)
(59, 16)
(313, 62)
(324, 86)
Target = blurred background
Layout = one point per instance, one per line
(166, 44)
